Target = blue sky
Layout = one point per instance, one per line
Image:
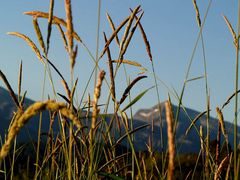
(172, 32)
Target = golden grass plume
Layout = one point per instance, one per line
(221, 121)
(129, 38)
(97, 93)
(223, 164)
(171, 146)
(39, 35)
(55, 20)
(127, 29)
(30, 43)
(23, 117)
(50, 18)
(69, 23)
(130, 62)
(113, 27)
(145, 39)
(231, 30)
(114, 34)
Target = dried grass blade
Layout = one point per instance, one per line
(88, 105)
(40, 14)
(113, 28)
(194, 121)
(127, 90)
(136, 99)
(235, 39)
(73, 90)
(217, 152)
(66, 87)
(188, 175)
(126, 32)
(129, 133)
(30, 43)
(229, 167)
(147, 44)
(21, 101)
(125, 119)
(77, 37)
(39, 34)
(229, 99)
(133, 63)
(144, 168)
(221, 121)
(111, 73)
(197, 13)
(143, 71)
(195, 78)
(202, 143)
(68, 101)
(64, 97)
(223, 164)
(50, 19)
(109, 162)
(19, 81)
(55, 68)
(10, 90)
(63, 36)
(74, 55)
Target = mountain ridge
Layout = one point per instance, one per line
(149, 135)
(190, 141)
(29, 131)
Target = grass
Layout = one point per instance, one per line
(87, 145)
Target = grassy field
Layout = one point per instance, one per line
(91, 150)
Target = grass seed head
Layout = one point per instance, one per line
(30, 43)
(171, 147)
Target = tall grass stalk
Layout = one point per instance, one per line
(206, 87)
(190, 64)
(97, 40)
(40, 125)
(47, 71)
(236, 98)
(93, 129)
(187, 76)
(171, 144)
(13, 158)
(148, 48)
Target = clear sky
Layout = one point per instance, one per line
(172, 32)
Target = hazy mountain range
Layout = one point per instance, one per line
(184, 143)
(29, 131)
(189, 142)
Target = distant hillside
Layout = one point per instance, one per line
(29, 132)
(185, 143)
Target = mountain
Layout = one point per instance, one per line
(184, 143)
(29, 131)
